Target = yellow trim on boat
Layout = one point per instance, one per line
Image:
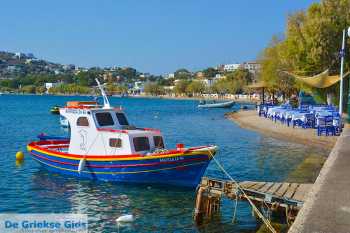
(203, 152)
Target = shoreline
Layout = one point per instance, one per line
(251, 121)
(242, 100)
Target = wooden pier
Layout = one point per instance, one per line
(286, 198)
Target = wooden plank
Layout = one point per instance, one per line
(282, 190)
(274, 188)
(302, 191)
(257, 186)
(291, 190)
(266, 187)
(247, 184)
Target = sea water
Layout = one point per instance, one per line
(246, 155)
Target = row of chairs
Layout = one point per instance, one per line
(324, 124)
(327, 127)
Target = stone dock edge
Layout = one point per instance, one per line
(327, 207)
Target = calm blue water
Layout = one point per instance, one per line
(245, 154)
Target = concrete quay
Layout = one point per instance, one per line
(327, 207)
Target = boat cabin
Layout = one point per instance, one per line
(97, 130)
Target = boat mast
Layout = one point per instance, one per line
(106, 104)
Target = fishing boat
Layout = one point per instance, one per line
(103, 146)
(214, 104)
(55, 110)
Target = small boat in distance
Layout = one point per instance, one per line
(214, 104)
(55, 110)
(102, 145)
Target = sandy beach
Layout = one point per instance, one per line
(251, 120)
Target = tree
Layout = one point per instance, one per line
(154, 89)
(28, 89)
(210, 72)
(195, 87)
(181, 86)
(311, 45)
(182, 74)
(87, 78)
(40, 89)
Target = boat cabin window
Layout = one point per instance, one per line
(82, 121)
(104, 119)
(115, 142)
(158, 142)
(141, 143)
(122, 118)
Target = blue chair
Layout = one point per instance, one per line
(309, 121)
(325, 125)
(329, 125)
(304, 107)
(321, 126)
(297, 122)
(261, 110)
(338, 126)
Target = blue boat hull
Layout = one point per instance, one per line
(184, 170)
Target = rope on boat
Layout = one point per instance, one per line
(255, 209)
(82, 161)
(235, 210)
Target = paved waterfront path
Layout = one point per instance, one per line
(327, 208)
(251, 120)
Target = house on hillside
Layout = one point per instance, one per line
(51, 85)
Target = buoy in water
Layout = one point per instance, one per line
(19, 163)
(81, 165)
(125, 218)
(19, 156)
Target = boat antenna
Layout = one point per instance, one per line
(103, 93)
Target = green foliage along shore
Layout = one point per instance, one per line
(310, 45)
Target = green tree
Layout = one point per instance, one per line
(28, 89)
(40, 89)
(154, 89)
(311, 45)
(182, 74)
(181, 87)
(195, 87)
(210, 72)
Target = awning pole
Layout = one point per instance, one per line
(342, 54)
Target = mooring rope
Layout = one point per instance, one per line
(255, 209)
(235, 210)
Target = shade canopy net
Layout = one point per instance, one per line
(322, 80)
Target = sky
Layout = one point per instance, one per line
(156, 36)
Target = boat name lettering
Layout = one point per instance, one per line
(171, 159)
(75, 111)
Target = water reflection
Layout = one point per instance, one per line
(155, 208)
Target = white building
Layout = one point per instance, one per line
(68, 67)
(145, 75)
(138, 88)
(19, 55)
(50, 85)
(57, 72)
(170, 75)
(209, 81)
(253, 67)
(231, 67)
(218, 76)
